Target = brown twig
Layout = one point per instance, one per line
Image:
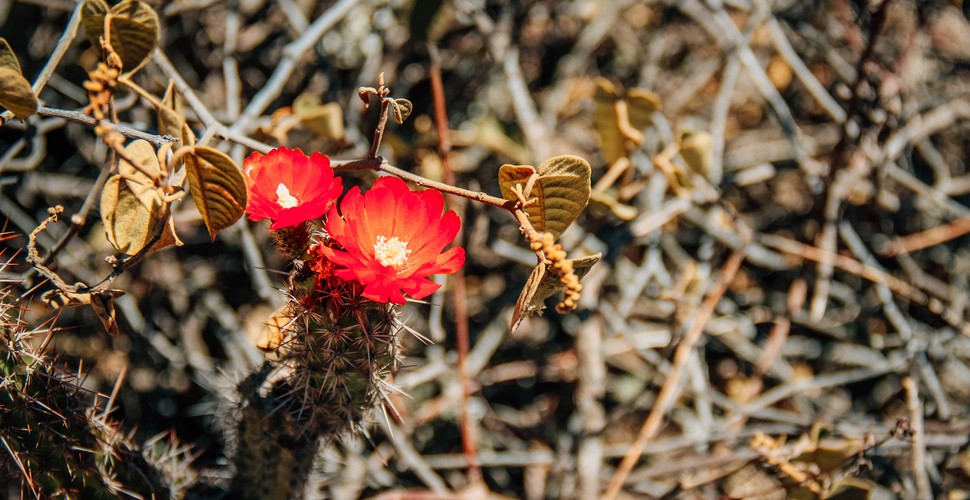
(927, 238)
(668, 391)
(924, 489)
(469, 429)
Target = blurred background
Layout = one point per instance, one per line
(779, 194)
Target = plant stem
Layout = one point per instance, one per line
(79, 117)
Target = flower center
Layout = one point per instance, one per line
(391, 252)
(284, 198)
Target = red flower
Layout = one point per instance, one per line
(392, 239)
(288, 187)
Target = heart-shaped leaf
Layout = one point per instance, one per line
(129, 223)
(134, 33)
(562, 190)
(92, 19)
(565, 182)
(543, 284)
(16, 93)
(141, 178)
(218, 188)
(401, 110)
(7, 57)
(511, 175)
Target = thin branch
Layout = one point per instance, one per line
(924, 489)
(63, 43)
(79, 117)
(668, 392)
(469, 430)
(292, 53)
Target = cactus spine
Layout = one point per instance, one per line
(336, 351)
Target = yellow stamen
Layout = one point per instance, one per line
(391, 252)
(284, 198)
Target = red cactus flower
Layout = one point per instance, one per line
(393, 240)
(289, 187)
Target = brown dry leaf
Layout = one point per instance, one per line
(7, 57)
(134, 32)
(218, 188)
(16, 94)
(640, 104)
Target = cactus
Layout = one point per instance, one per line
(337, 349)
(55, 442)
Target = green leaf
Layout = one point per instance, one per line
(218, 188)
(128, 222)
(401, 110)
(16, 93)
(7, 57)
(92, 19)
(134, 33)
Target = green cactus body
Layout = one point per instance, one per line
(54, 444)
(337, 352)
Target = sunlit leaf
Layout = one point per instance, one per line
(562, 191)
(217, 186)
(134, 33)
(640, 106)
(92, 19)
(171, 115)
(128, 222)
(523, 306)
(16, 93)
(565, 182)
(697, 150)
(325, 121)
(511, 175)
(542, 284)
(141, 179)
(7, 57)
(401, 110)
(550, 284)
